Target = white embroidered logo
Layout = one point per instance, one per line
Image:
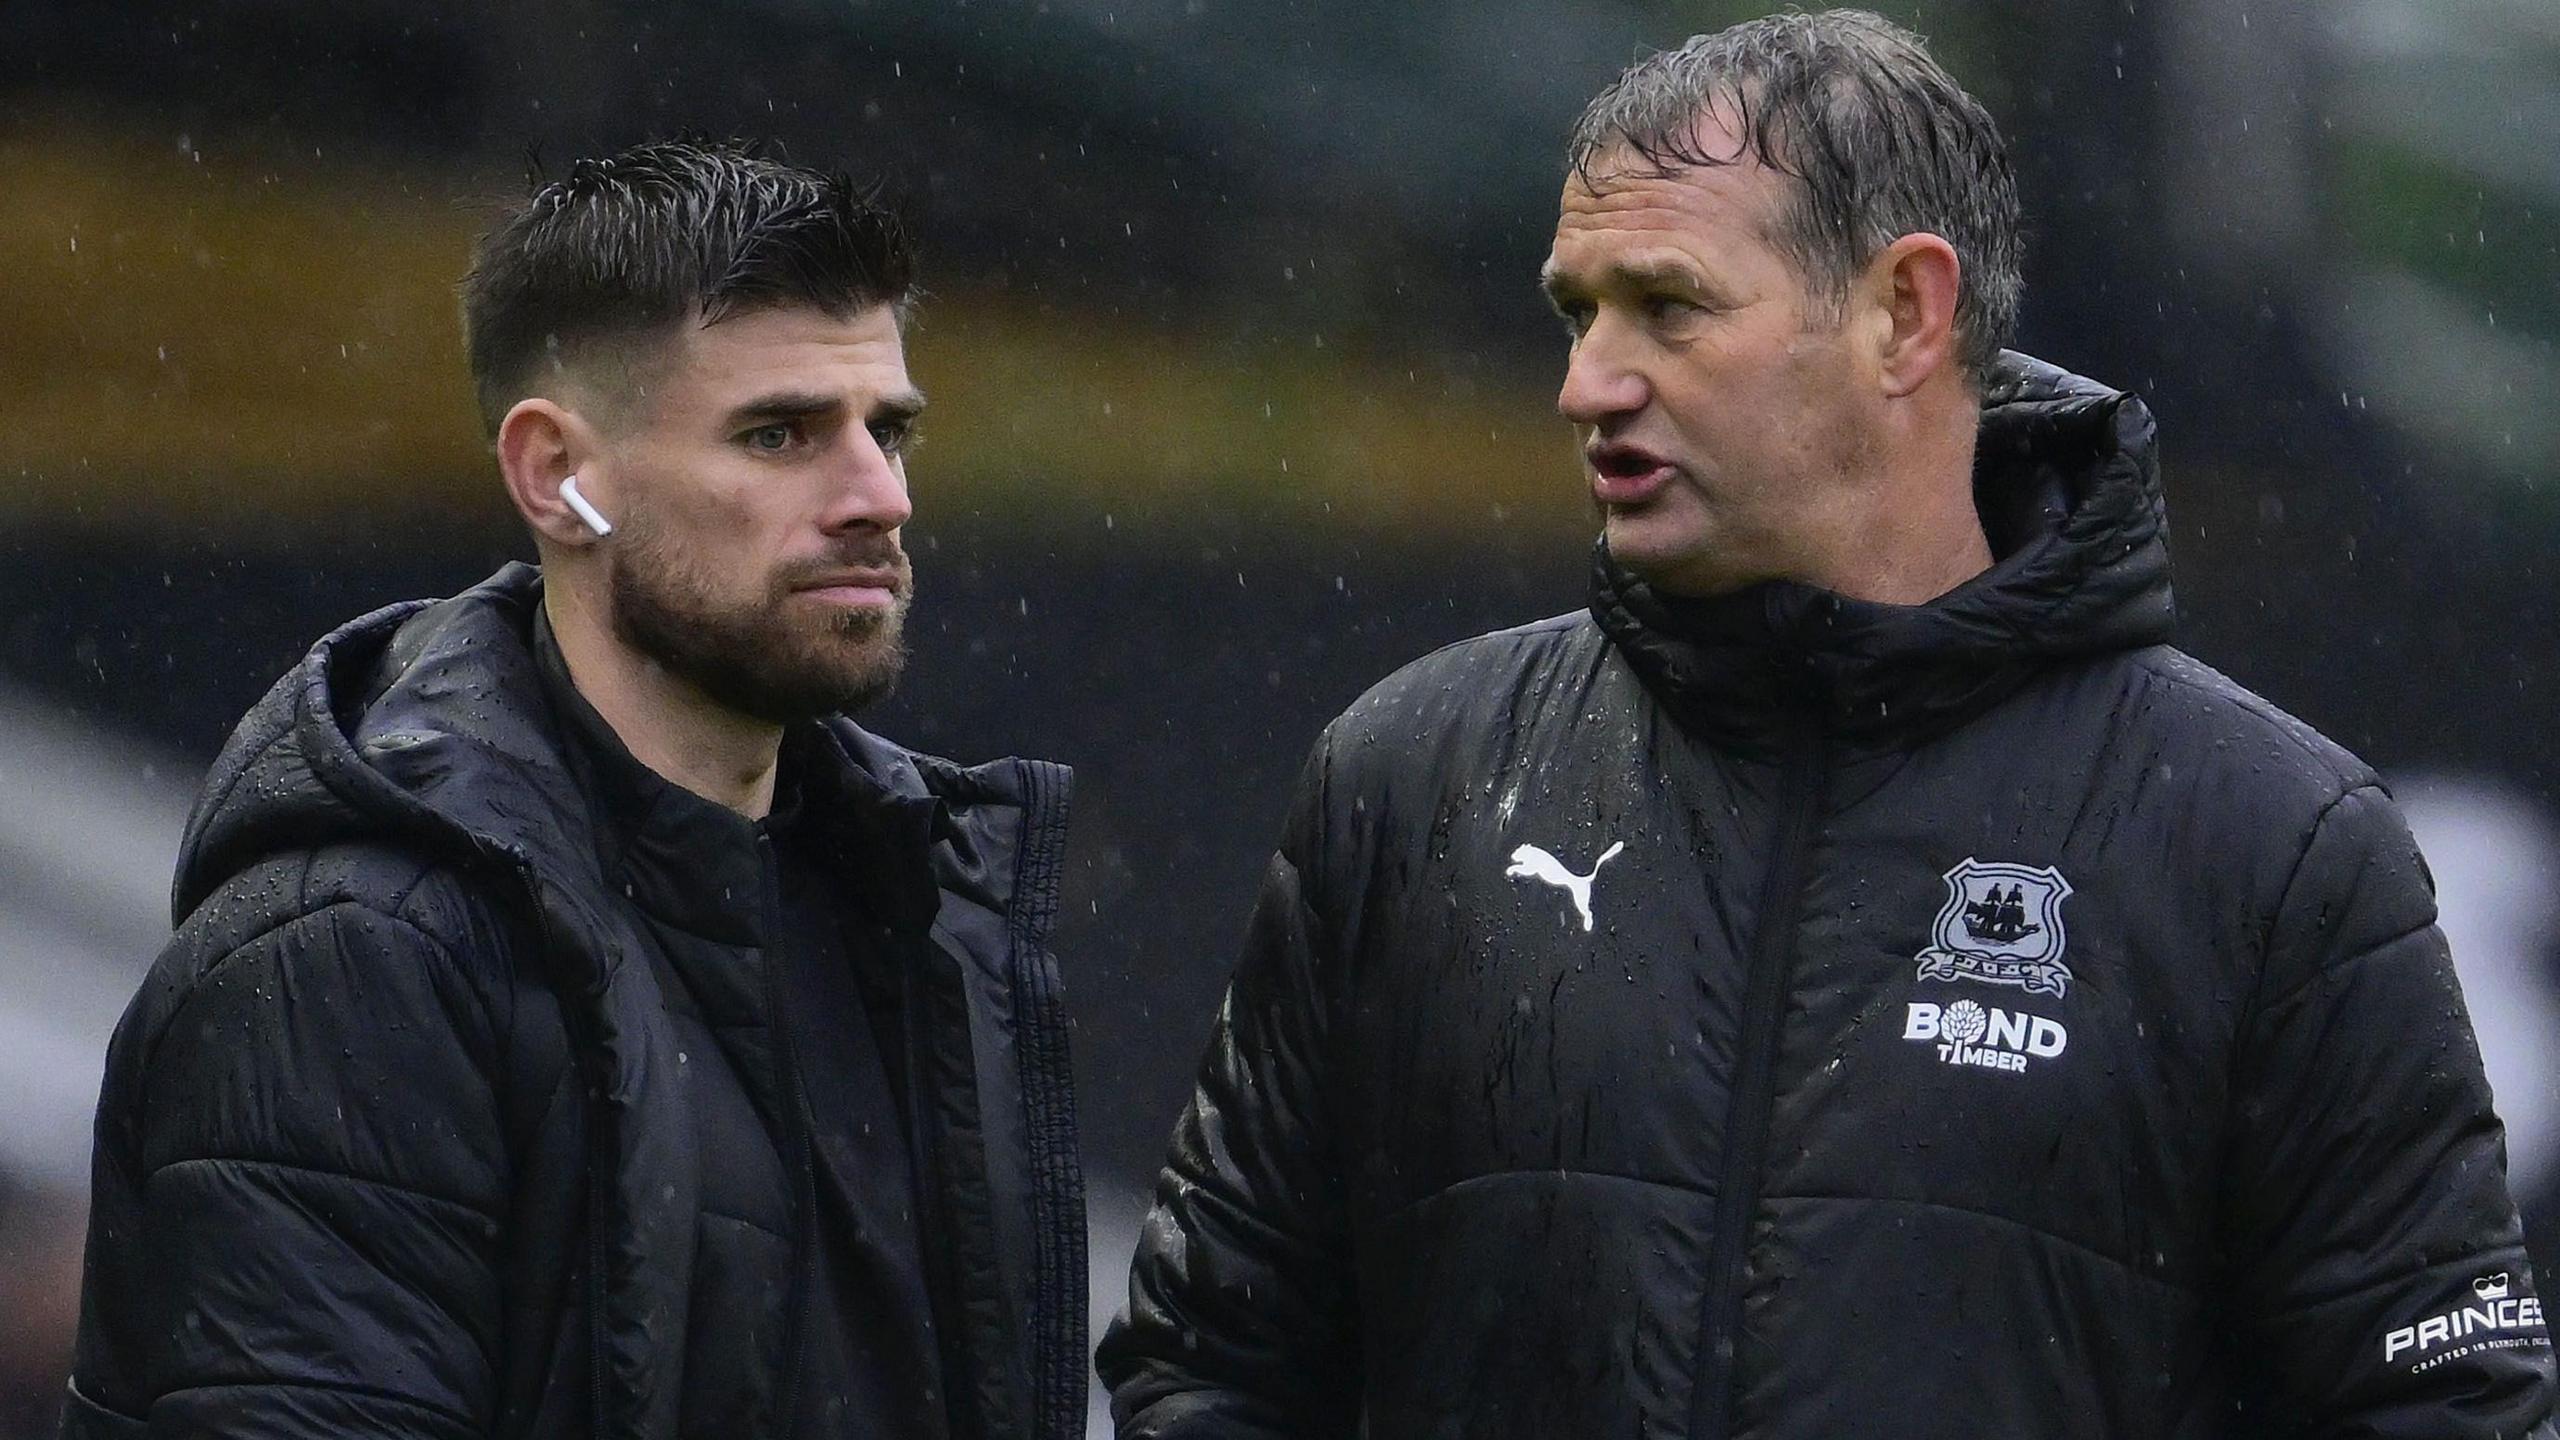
(2507, 1321)
(1531, 863)
(1967, 1034)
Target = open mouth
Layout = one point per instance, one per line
(1623, 474)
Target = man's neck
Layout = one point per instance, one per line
(1920, 535)
(1905, 553)
(1911, 563)
(666, 723)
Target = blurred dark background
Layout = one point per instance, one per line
(1243, 396)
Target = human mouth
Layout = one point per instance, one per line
(1624, 474)
(855, 589)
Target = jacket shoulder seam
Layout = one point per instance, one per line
(2284, 898)
(2284, 895)
(2347, 775)
(2343, 767)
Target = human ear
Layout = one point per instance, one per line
(1912, 286)
(541, 444)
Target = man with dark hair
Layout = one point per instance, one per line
(1857, 979)
(575, 1025)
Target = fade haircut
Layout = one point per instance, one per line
(1880, 141)
(599, 268)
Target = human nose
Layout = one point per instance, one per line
(869, 488)
(1601, 380)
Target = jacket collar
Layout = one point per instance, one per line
(698, 865)
(2067, 481)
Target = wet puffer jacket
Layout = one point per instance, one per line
(412, 1131)
(1783, 1017)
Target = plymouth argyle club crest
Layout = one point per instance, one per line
(2002, 925)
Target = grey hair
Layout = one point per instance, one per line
(1880, 140)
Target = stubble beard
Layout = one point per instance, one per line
(771, 658)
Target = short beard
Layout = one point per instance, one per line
(752, 659)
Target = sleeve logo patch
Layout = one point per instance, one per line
(2496, 1319)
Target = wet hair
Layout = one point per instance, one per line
(1880, 141)
(597, 270)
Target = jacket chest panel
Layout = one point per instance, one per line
(743, 1277)
(1557, 984)
(2000, 1009)
(742, 1170)
(1980, 986)
(724, 1061)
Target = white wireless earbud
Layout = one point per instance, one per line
(570, 497)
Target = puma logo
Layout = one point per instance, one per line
(1531, 863)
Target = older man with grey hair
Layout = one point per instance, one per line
(1856, 978)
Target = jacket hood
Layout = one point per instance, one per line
(2066, 479)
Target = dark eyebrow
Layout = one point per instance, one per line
(905, 405)
(1658, 275)
(770, 409)
(767, 409)
(1632, 275)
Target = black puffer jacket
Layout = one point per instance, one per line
(423, 1125)
(1785, 1017)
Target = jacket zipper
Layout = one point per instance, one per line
(1746, 1135)
(795, 1121)
(1061, 1352)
